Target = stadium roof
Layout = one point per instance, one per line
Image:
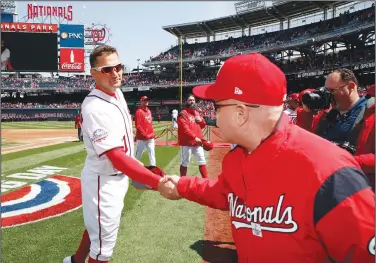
(277, 12)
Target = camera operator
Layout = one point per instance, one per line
(350, 121)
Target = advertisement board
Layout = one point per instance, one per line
(72, 36)
(72, 60)
(29, 52)
(29, 27)
(7, 18)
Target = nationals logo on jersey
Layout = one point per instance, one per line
(99, 135)
(52, 197)
(271, 218)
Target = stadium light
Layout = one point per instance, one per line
(7, 4)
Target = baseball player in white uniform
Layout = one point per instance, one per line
(108, 139)
(174, 118)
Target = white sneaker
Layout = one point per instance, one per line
(71, 260)
(68, 259)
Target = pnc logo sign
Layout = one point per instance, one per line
(65, 35)
(71, 36)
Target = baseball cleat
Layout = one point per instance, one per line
(69, 259)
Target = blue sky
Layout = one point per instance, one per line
(136, 27)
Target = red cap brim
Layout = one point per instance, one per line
(208, 92)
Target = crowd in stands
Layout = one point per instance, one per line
(233, 45)
(18, 117)
(206, 109)
(36, 105)
(56, 83)
(301, 64)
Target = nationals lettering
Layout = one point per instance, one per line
(270, 218)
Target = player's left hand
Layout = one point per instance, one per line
(198, 119)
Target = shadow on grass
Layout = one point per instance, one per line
(211, 251)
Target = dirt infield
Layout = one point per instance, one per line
(34, 138)
(218, 246)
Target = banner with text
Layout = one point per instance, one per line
(72, 60)
(28, 27)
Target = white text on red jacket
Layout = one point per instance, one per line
(270, 218)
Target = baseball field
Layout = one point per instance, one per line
(41, 203)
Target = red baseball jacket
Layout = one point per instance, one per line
(365, 145)
(296, 198)
(144, 124)
(77, 121)
(188, 128)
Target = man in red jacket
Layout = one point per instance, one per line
(190, 125)
(365, 145)
(144, 131)
(77, 125)
(292, 196)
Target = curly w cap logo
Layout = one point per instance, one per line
(52, 197)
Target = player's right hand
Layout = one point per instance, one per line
(198, 141)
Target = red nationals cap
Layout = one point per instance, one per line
(144, 98)
(294, 96)
(250, 78)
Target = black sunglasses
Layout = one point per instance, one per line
(218, 106)
(108, 70)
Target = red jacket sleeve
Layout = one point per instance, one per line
(202, 123)
(208, 192)
(138, 119)
(182, 123)
(345, 217)
(132, 168)
(366, 161)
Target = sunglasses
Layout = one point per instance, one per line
(218, 106)
(109, 69)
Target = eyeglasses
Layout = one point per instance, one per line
(108, 70)
(334, 90)
(218, 106)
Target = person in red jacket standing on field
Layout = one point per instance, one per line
(291, 195)
(190, 125)
(144, 131)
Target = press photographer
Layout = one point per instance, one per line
(345, 118)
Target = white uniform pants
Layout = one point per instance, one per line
(102, 204)
(187, 151)
(150, 147)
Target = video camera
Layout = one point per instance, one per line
(317, 100)
(346, 146)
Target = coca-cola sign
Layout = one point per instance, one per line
(72, 60)
(76, 66)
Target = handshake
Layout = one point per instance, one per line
(168, 187)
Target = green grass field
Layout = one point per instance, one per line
(152, 229)
(53, 125)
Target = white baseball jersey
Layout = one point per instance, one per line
(175, 118)
(5, 55)
(106, 124)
